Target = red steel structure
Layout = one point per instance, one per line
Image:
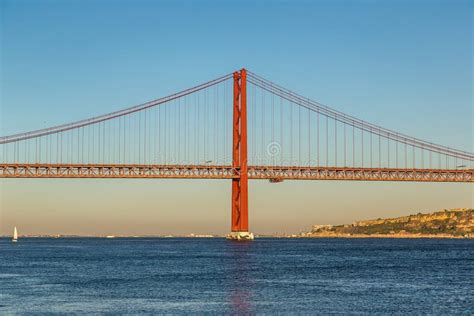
(273, 174)
(171, 137)
(239, 154)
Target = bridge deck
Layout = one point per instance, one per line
(273, 173)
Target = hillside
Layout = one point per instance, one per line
(446, 223)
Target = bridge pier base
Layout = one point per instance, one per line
(240, 236)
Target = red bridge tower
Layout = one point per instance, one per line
(240, 218)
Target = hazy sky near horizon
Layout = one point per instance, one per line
(404, 65)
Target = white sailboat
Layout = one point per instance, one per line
(15, 235)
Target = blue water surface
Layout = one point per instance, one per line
(214, 276)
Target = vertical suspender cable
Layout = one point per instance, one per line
(309, 138)
(291, 134)
(388, 152)
(380, 152)
(370, 149)
(317, 141)
(300, 156)
(353, 145)
(335, 141)
(124, 138)
(186, 128)
(57, 147)
(273, 126)
(226, 127)
(216, 125)
(344, 126)
(92, 127)
(281, 131)
(179, 162)
(327, 141)
(406, 156)
(119, 139)
(396, 154)
(362, 147)
(263, 126)
(205, 124)
(197, 136)
(254, 128)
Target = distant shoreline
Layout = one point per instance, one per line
(454, 223)
(357, 236)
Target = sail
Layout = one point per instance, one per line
(15, 234)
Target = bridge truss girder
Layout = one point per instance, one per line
(276, 174)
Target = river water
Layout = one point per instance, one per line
(173, 275)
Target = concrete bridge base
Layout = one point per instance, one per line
(240, 236)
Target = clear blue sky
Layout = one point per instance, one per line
(405, 65)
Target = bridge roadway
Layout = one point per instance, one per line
(272, 173)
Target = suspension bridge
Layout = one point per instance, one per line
(240, 126)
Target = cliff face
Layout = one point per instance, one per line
(455, 222)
